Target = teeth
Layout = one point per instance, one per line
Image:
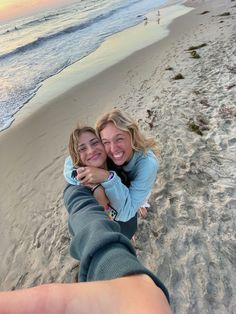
(119, 155)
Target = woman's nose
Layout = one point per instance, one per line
(90, 149)
(112, 147)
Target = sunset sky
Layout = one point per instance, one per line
(12, 9)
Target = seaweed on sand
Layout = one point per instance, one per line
(198, 124)
(194, 54)
(224, 14)
(194, 127)
(197, 47)
(205, 12)
(169, 69)
(178, 76)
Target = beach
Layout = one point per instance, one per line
(181, 90)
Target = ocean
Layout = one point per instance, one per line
(35, 48)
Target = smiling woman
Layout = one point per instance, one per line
(130, 150)
(12, 9)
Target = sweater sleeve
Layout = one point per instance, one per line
(68, 169)
(104, 253)
(126, 200)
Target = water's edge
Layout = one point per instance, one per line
(115, 49)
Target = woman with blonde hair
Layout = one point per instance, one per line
(129, 149)
(139, 141)
(86, 150)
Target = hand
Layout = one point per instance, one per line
(91, 175)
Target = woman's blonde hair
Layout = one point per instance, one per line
(124, 122)
(74, 143)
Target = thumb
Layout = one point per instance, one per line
(80, 169)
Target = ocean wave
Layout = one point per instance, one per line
(38, 51)
(33, 22)
(68, 30)
(11, 30)
(40, 20)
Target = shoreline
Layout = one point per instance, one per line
(114, 50)
(188, 238)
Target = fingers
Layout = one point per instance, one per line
(80, 169)
(143, 212)
(86, 180)
(91, 175)
(81, 174)
(86, 175)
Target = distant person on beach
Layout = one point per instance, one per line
(112, 280)
(128, 149)
(158, 16)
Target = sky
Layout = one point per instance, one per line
(13, 9)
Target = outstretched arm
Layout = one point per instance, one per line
(95, 235)
(122, 284)
(133, 294)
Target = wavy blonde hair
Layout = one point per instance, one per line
(124, 122)
(74, 143)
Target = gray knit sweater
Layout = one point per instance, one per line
(104, 252)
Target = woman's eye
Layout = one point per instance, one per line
(95, 142)
(82, 149)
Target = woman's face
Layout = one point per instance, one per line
(91, 150)
(117, 144)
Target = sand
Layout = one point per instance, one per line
(188, 238)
